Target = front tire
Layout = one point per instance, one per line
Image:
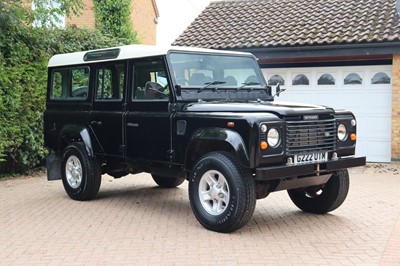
(221, 192)
(322, 199)
(81, 174)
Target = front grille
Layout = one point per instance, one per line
(304, 137)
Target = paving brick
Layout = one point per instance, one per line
(134, 222)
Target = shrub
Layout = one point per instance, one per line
(114, 17)
(24, 53)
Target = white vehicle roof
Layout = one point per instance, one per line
(128, 52)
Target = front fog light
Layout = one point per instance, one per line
(273, 138)
(342, 132)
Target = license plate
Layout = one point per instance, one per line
(311, 158)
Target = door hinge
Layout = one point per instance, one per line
(171, 155)
(172, 108)
(122, 148)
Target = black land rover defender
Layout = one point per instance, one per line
(191, 114)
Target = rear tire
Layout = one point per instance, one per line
(221, 192)
(323, 199)
(168, 182)
(81, 174)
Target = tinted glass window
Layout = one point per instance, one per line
(70, 84)
(110, 82)
(380, 78)
(301, 79)
(326, 79)
(275, 79)
(352, 78)
(57, 89)
(150, 80)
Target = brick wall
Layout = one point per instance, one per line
(86, 19)
(143, 18)
(396, 107)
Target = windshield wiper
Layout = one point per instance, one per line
(250, 83)
(215, 82)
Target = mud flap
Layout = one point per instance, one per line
(53, 166)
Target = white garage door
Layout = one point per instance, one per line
(365, 90)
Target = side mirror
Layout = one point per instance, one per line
(178, 90)
(278, 90)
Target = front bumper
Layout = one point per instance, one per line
(284, 171)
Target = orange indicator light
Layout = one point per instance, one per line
(230, 124)
(353, 136)
(263, 145)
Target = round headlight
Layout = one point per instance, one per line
(273, 138)
(342, 132)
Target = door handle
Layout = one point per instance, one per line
(132, 125)
(96, 123)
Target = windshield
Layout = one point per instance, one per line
(216, 76)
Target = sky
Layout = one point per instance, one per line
(175, 17)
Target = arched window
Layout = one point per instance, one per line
(275, 79)
(380, 78)
(301, 79)
(353, 78)
(326, 79)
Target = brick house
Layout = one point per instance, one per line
(144, 18)
(341, 53)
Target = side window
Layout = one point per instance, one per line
(57, 89)
(70, 84)
(110, 82)
(150, 80)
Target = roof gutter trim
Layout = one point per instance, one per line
(321, 47)
(325, 50)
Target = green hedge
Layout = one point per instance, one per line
(114, 17)
(24, 53)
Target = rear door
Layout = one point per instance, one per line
(108, 107)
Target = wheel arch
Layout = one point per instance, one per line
(68, 135)
(73, 133)
(207, 140)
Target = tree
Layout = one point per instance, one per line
(44, 12)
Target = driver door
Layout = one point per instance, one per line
(148, 120)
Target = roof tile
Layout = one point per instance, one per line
(274, 23)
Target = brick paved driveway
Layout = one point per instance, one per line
(134, 222)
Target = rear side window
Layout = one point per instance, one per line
(70, 84)
(110, 82)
